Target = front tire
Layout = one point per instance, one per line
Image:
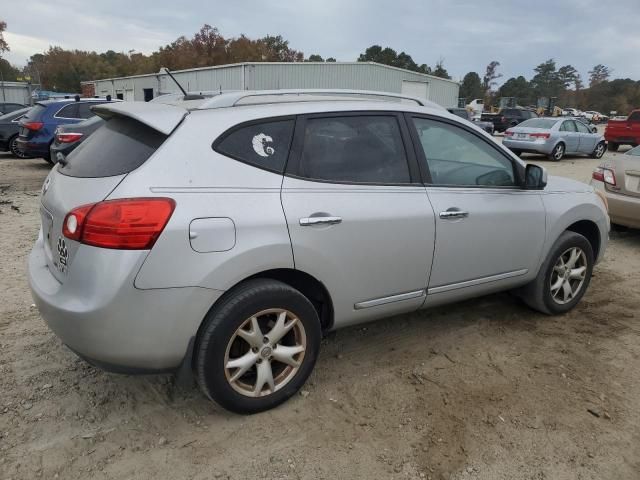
(563, 277)
(257, 347)
(557, 153)
(598, 152)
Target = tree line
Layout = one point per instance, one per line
(563, 83)
(63, 70)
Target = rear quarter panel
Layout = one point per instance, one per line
(205, 184)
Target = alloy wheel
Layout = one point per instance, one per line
(599, 150)
(568, 275)
(15, 150)
(265, 352)
(559, 152)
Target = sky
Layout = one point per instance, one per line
(467, 34)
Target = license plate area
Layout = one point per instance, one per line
(47, 226)
(522, 136)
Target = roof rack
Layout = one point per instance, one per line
(261, 97)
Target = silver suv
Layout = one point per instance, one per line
(224, 234)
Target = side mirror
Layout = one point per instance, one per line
(535, 177)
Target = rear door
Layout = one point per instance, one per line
(489, 231)
(358, 215)
(570, 136)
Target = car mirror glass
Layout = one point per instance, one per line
(535, 177)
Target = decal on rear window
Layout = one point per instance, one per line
(261, 145)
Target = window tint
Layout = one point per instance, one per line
(84, 110)
(582, 128)
(568, 126)
(539, 123)
(634, 117)
(359, 149)
(69, 111)
(120, 146)
(265, 145)
(458, 157)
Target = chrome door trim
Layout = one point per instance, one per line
(477, 281)
(390, 299)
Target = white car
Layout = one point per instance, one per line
(224, 234)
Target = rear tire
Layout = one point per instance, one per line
(557, 153)
(613, 147)
(266, 370)
(557, 270)
(13, 147)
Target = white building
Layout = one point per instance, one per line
(277, 75)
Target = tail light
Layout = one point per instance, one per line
(33, 126)
(68, 137)
(604, 175)
(124, 224)
(508, 133)
(540, 135)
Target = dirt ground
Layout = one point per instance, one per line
(485, 389)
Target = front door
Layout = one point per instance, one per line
(358, 216)
(489, 231)
(588, 139)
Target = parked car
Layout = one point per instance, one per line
(619, 180)
(225, 234)
(571, 112)
(554, 137)
(466, 114)
(8, 107)
(9, 128)
(623, 131)
(508, 117)
(68, 137)
(39, 125)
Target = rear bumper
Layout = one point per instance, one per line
(33, 149)
(623, 209)
(528, 146)
(99, 314)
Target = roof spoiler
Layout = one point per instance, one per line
(161, 117)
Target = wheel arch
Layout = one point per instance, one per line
(590, 231)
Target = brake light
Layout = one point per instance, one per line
(68, 137)
(604, 175)
(124, 224)
(540, 135)
(33, 126)
(508, 133)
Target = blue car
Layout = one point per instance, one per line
(38, 126)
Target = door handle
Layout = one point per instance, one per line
(452, 214)
(310, 221)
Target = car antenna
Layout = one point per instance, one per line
(184, 92)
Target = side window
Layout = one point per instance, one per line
(634, 117)
(582, 128)
(568, 126)
(265, 145)
(84, 110)
(455, 156)
(69, 111)
(358, 149)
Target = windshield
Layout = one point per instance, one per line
(634, 151)
(539, 123)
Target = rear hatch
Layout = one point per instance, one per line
(31, 122)
(94, 169)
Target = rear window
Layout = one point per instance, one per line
(35, 112)
(539, 123)
(120, 146)
(264, 144)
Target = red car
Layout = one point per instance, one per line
(623, 132)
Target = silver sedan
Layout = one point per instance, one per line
(554, 137)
